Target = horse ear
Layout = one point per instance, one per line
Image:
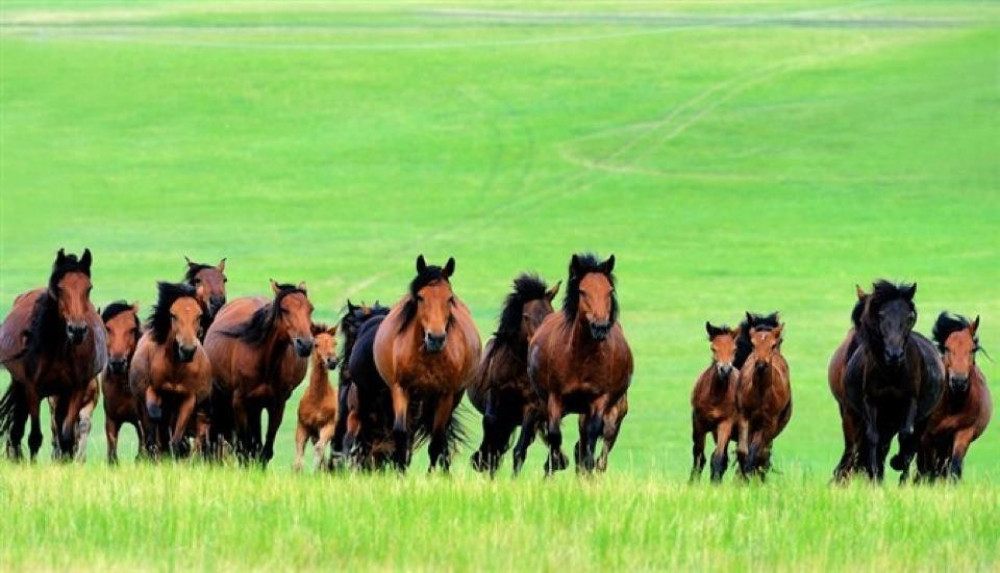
(315, 329)
(350, 306)
(86, 259)
(749, 319)
(552, 292)
(302, 286)
(332, 331)
(910, 292)
(609, 265)
(274, 287)
(709, 329)
(859, 291)
(189, 262)
(778, 330)
(222, 265)
(135, 307)
(60, 256)
(421, 265)
(974, 326)
(449, 268)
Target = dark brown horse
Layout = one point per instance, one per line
(318, 406)
(427, 349)
(763, 400)
(850, 424)
(578, 360)
(713, 402)
(170, 374)
(52, 343)
(121, 322)
(210, 287)
(500, 389)
(893, 379)
(259, 349)
(963, 413)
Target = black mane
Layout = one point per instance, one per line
(883, 293)
(430, 275)
(948, 324)
(255, 330)
(66, 264)
(527, 287)
(714, 330)
(744, 346)
(352, 320)
(587, 263)
(116, 308)
(159, 319)
(193, 270)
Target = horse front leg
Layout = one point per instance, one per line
(872, 437)
(400, 434)
(179, 437)
(846, 464)
(482, 458)
(960, 446)
(529, 427)
(111, 428)
(33, 411)
(611, 431)
(83, 427)
(275, 412)
(557, 459)
(908, 442)
(438, 449)
(720, 458)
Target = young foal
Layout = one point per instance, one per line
(850, 424)
(318, 406)
(500, 389)
(713, 402)
(579, 360)
(121, 321)
(763, 400)
(427, 347)
(170, 373)
(259, 350)
(52, 344)
(963, 413)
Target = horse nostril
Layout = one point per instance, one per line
(434, 342)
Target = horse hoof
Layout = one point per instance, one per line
(896, 463)
(479, 462)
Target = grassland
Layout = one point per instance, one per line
(734, 156)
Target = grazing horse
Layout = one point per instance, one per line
(578, 360)
(427, 349)
(763, 399)
(350, 326)
(963, 413)
(893, 379)
(713, 402)
(170, 374)
(52, 344)
(210, 287)
(500, 389)
(318, 405)
(121, 321)
(259, 350)
(850, 424)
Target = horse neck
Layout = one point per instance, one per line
(319, 378)
(719, 383)
(579, 337)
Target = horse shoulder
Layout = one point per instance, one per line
(12, 338)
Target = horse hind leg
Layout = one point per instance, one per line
(482, 458)
(325, 435)
(400, 433)
(14, 412)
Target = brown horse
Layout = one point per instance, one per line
(500, 389)
(259, 350)
(763, 400)
(427, 349)
(963, 413)
(851, 426)
(121, 321)
(210, 287)
(578, 360)
(170, 374)
(318, 405)
(52, 343)
(713, 402)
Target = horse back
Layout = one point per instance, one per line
(228, 355)
(930, 388)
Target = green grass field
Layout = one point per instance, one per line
(733, 155)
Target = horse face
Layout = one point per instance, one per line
(766, 344)
(325, 347)
(434, 304)
(210, 284)
(535, 312)
(723, 350)
(296, 320)
(73, 295)
(895, 322)
(960, 357)
(123, 333)
(596, 303)
(185, 325)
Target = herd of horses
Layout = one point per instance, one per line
(197, 375)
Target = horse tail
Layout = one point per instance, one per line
(13, 405)
(456, 432)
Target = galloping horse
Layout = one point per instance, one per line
(763, 400)
(893, 379)
(963, 413)
(318, 405)
(744, 346)
(579, 360)
(52, 343)
(170, 373)
(121, 406)
(713, 402)
(210, 287)
(850, 424)
(500, 389)
(259, 350)
(427, 348)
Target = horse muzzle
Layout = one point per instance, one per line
(958, 384)
(894, 356)
(185, 353)
(331, 363)
(724, 370)
(761, 366)
(76, 332)
(215, 304)
(600, 330)
(303, 347)
(435, 342)
(118, 365)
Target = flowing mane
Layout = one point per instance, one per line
(159, 320)
(527, 287)
(430, 275)
(588, 263)
(255, 330)
(883, 293)
(116, 308)
(744, 347)
(948, 324)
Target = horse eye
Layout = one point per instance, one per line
(225, 280)
(196, 282)
(451, 300)
(420, 298)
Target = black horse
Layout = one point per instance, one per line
(367, 404)
(894, 378)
